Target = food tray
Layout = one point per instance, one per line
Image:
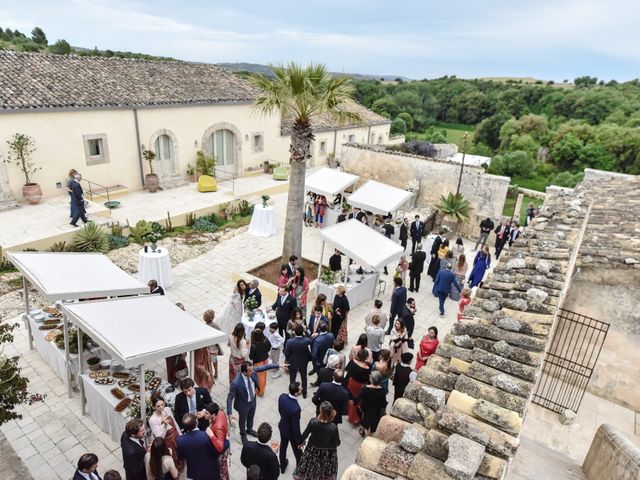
(125, 382)
(53, 312)
(49, 326)
(118, 393)
(134, 388)
(51, 336)
(148, 375)
(99, 374)
(122, 404)
(120, 375)
(104, 381)
(154, 383)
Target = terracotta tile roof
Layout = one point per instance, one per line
(42, 81)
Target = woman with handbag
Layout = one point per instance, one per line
(398, 341)
(373, 402)
(239, 351)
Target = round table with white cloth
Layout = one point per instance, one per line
(155, 266)
(260, 316)
(262, 221)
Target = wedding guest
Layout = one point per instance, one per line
(300, 290)
(465, 299)
(218, 431)
(356, 376)
(338, 347)
(133, 450)
(309, 203)
(154, 288)
(335, 261)
(203, 370)
(316, 319)
(68, 184)
(486, 226)
(343, 216)
(325, 374)
(445, 281)
(417, 232)
(292, 265)
(284, 306)
(416, 268)
(442, 253)
(298, 356)
(320, 343)
(284, 280)
(320, 457)
(289, 424)
(383, 365)
(408, 317)
(239, 350)
(163, 425)
(503, 234)
(531, 213)
(335, 393)
(481, 263)
(296, 320)
(77, 200)
(341, 309)
(215, 351)
(191, 399)
(277, 342)
(362, 344)
(515, 232)
(159, 461)
(457, 249)
(327, 309)
(261, 453)
(87, 468)
(373, 401)
(428, 346)
(402, 375)
(460, 271)
(432, 269)
(108, 475)
(398, 300)
(404, 233)
(401, 269)
(376, 310)
(398, 340)
(375, 337)
(254, 291)
(195, 448)
(320, 208)
(259, 354)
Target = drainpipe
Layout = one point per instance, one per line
(335, 140)
(135, 119)
(369, 135)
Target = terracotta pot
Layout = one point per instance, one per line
(191, 177)
(32, 193)
(151, 182)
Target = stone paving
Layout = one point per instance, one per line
(53, 434)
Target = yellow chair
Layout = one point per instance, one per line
(207, 183)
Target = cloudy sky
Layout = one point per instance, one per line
(546, 39)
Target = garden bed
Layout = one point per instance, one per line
(270, 271)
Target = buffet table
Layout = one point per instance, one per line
(262, 221)
(260, 316)
(360, 287)
(155, 266)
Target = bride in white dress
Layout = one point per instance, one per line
(232, 313)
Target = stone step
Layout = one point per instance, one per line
(172, 181)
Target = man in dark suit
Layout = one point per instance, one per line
(417, 232)
(334, 393)
(196, 448)
(404, 233)
(408, 316)
(77, 199)
(402, 375)
(284, 306)
(315, 320)
(503, 233)
(242, 396)
(322, 342)
(335, 262)
(398, 299)
(486, 226)
(343, 216)
(297, 357)
(154, 288)
(442, 287)
(87, 468)
(192, 400)
(325, 374)
(133, 450)
(292, 265)
(289, 424)
(254, 291)
(416, 268)
(260, 453)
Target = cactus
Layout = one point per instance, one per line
(168, 226)
(191, 218)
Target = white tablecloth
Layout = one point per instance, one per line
(358, 291)
(259, 317)
(330, 217)
(262, 221)
(155, 266)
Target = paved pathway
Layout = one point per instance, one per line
(53, 434)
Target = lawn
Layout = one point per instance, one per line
(454, 133)
(510, 204)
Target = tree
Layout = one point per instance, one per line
(61, 47)
(398, 126)
(38, 36)
(408, 120)
(298, 94)
(13, 387)
(513, 164)
(21, 147)
(488, 131)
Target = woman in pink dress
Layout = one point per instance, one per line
(300, 290)
(203, 370)
(428, 346)
(320, 207)
(163, 425)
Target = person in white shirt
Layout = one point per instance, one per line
(377, 310)
(276, 341)
(375, 337)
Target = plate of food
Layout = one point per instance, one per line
(120, 375)
(51, 336)
(98, 374)
(134, 387)
(154, 383)
(104, 381)
(122, 404)
(118, 393)
(125, 382)
(52, 311)
(149, 374)
(49, 326)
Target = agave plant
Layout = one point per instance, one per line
(455, 206)
(92, 238)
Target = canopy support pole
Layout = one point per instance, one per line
(320, 267)
(27, 307)
(346, 273)
(143, 397)
(192, 364)
(67, 356)
(80, 355)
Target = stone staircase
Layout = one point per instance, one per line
(168, 182)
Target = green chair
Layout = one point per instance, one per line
(207, 183)
(280, 173)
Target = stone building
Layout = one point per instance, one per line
(462, 417)
(98, 114)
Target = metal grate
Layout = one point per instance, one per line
(570, 361)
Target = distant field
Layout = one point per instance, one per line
(455, 132)
(528, 81)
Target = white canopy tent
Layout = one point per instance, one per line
(379, 198)
(139, 330)
(361, 243)
(329, 181)
(72, 276)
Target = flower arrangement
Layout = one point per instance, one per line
(265, 199)
(445, 228)
(250, 304)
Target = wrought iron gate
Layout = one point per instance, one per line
(570, 360)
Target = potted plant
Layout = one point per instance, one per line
(191, 173)
(93, 363)
(21, 146)
(250, 306)
(151, 181)
(205, 164)
(265, 201)
(265, 166)
(328, 277)
(456, 209)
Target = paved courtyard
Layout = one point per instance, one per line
(53, 434)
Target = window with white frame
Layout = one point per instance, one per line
(323, 147)
(351, 139)
(379, 139)
(96, 149)
(257, 142)
(373, 138)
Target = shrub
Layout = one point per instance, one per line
(417, 147)
(140, 231)
(245, 208)
(13, 386)
(157, 228)
(59, 247)
(398, 126)
(455, 206)
(204, 224)
(116, 228)
(117, 241)
(92, 238)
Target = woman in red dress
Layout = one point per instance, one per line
(218, 431)
(356, 376)
(428, 346)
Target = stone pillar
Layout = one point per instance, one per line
(518, 207)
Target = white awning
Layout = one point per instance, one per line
(140, 330)
(329, 182)
(72, 276)
(361, 243)
(379, 198)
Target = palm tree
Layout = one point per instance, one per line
(299, 94)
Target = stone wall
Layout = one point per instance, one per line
(431, 178)
(612, 456)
